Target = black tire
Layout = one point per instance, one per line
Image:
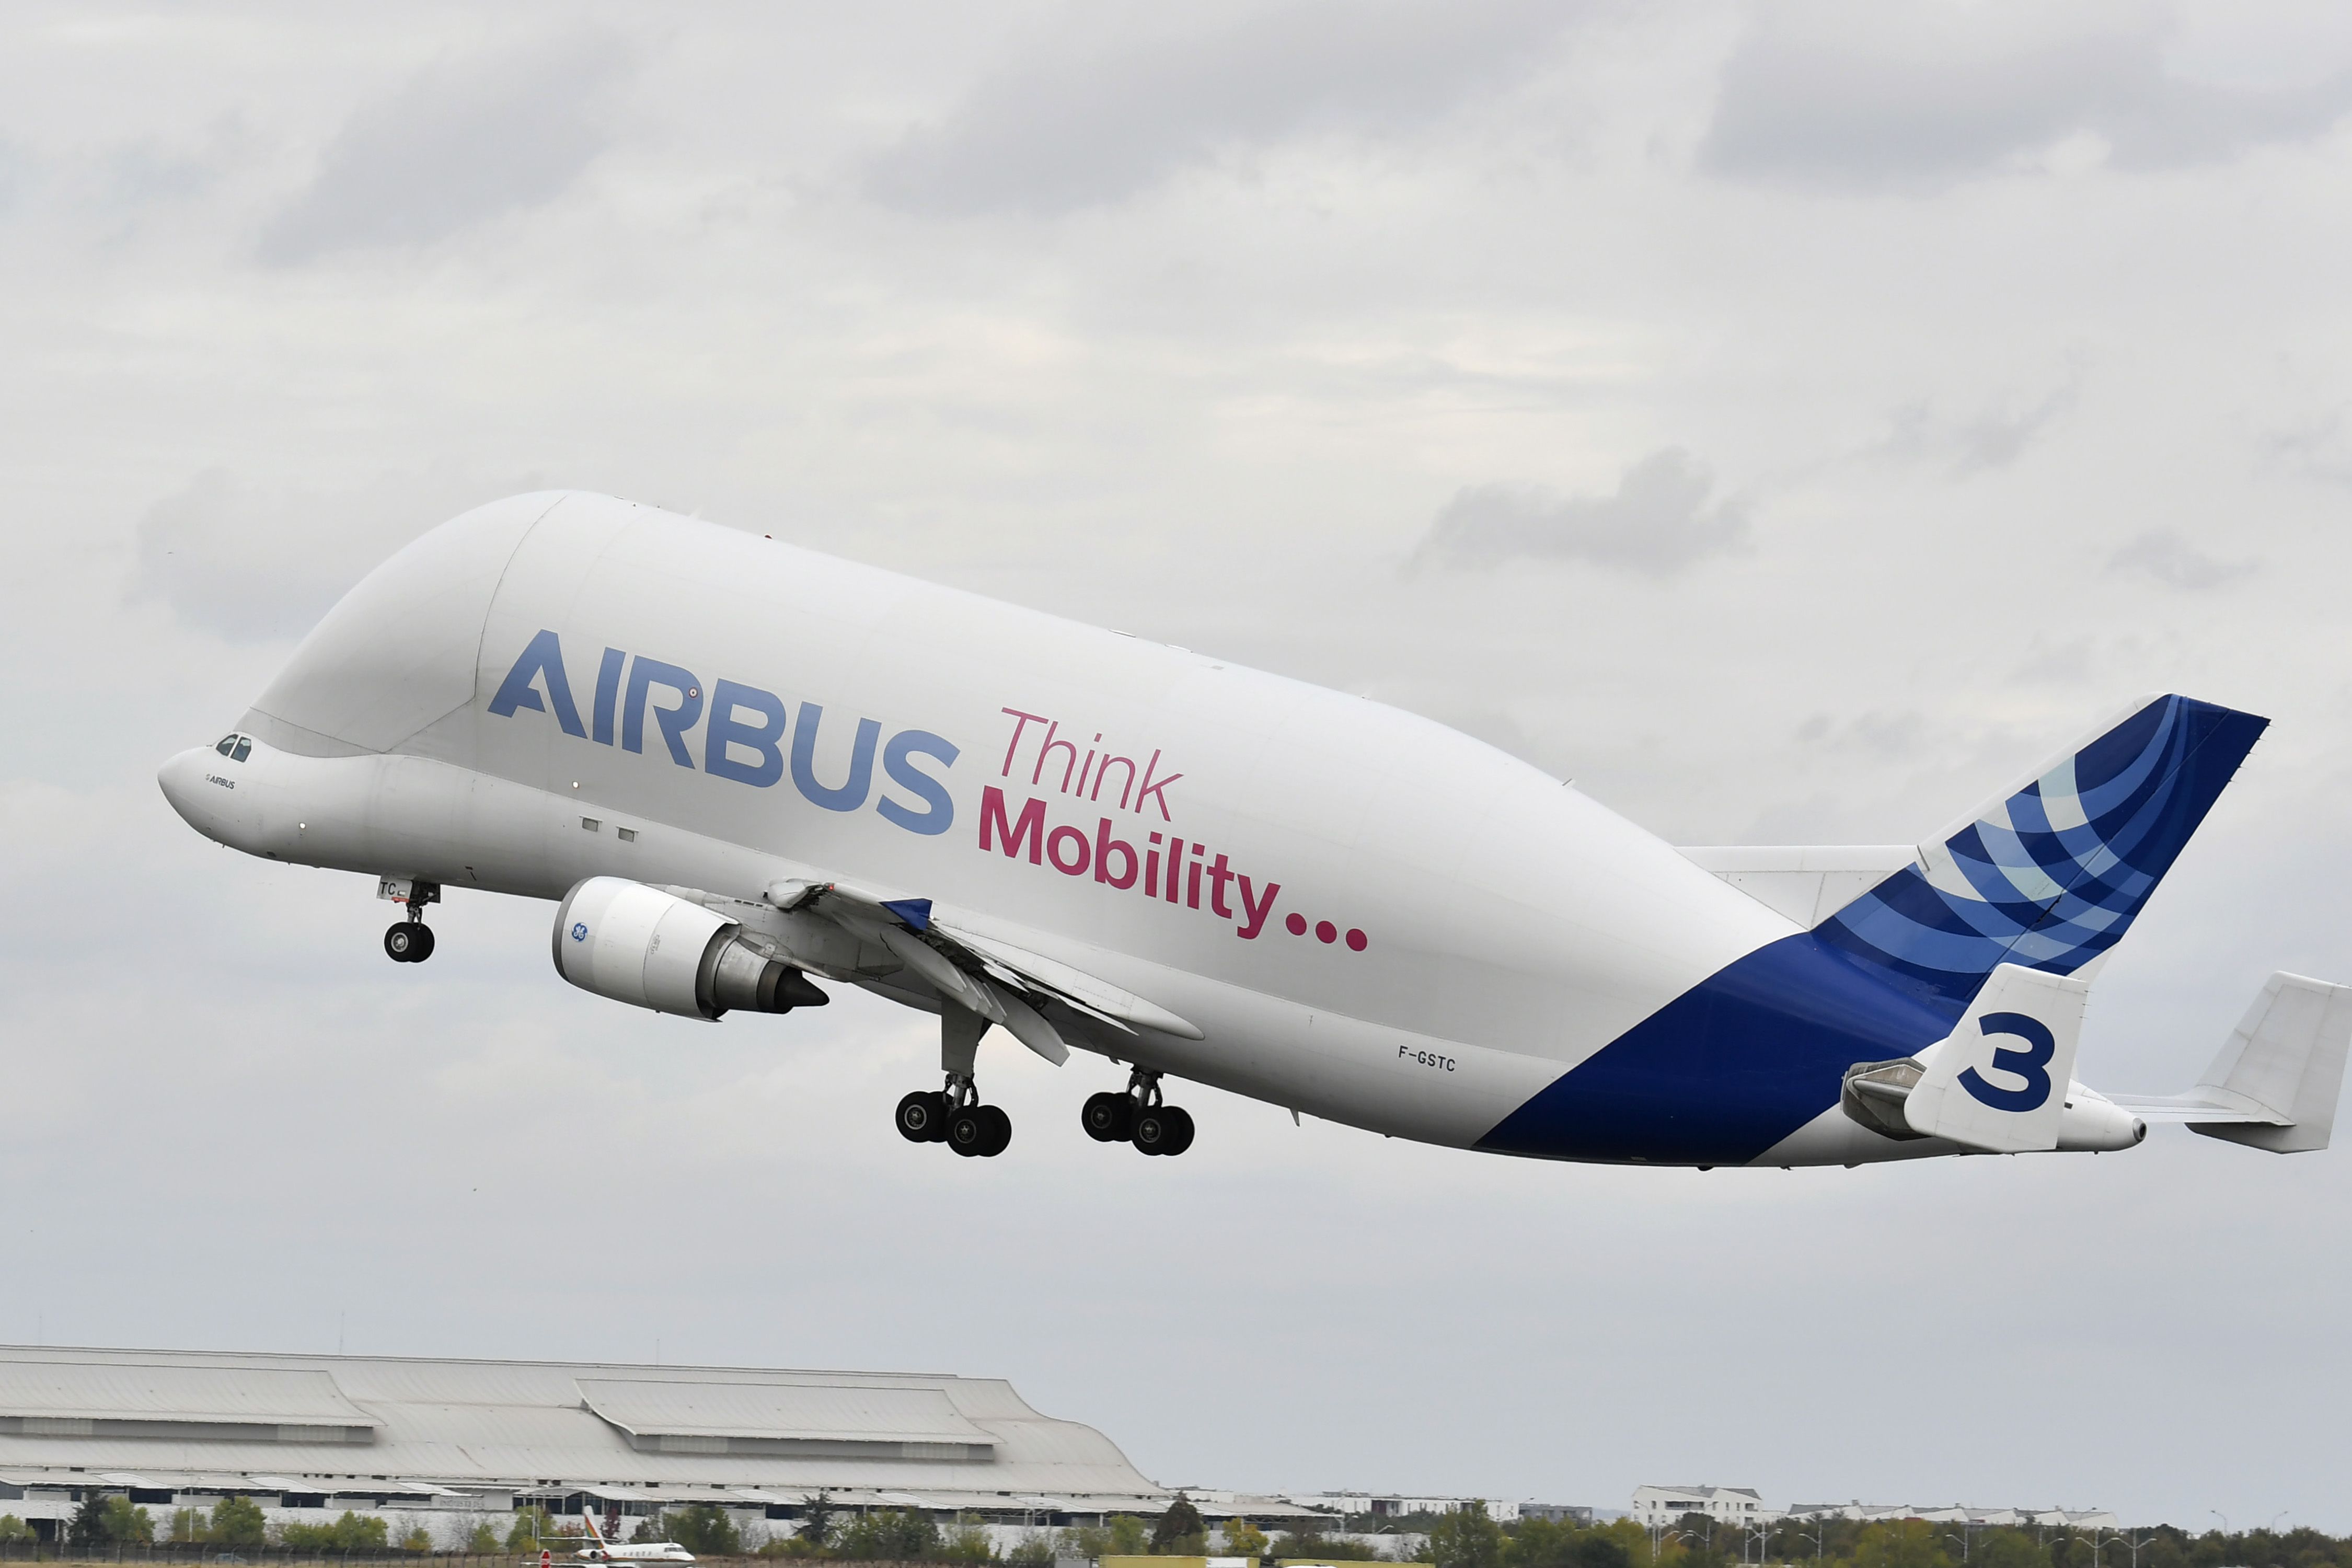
(968, 1131)
(923, 1116)
(1155, 1130)
(1180, 1121)
(400, 944)
(999, 1131)
(423, 942)
(1108, 1118)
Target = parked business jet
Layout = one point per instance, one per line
(737, 768)
(632, 1551)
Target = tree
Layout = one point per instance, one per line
(1035, 1551)
(968, 1543)
(898, 1535)
(1128, 1536)
(1466, 1537)
(1180, 1531)
(817, 1519)
(483, 1539)
(239, 1521)
(530, 1525)
(704, 1528)
(352, 1532)
(417, 1540)
(13, 1529)
(1244, 1539)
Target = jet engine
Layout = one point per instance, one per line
(651, 948)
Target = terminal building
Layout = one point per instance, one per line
(445, 1443)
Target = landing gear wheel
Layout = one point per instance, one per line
(966, 1134)
(923, 1116)
(410, 942)
(999, 1128)
(1162, 1129)
(1109, 1118)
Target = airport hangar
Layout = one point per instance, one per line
(448, 1443)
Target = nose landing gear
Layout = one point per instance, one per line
(409, 940)
(1138, 1117)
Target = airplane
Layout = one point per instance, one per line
(737, 767)
(633, 1551)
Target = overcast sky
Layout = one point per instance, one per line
(1789, 421)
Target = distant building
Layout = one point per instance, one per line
(1664, 1505)
(1399, 1505)
(1557, 1513)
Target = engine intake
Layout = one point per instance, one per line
(650, 948)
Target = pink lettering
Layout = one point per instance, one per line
(1026, 719)
(995, 828)
(1255, 907)
(1105, 847)
(1077, 839)
(1152, 791)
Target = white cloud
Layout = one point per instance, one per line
(1663, 519)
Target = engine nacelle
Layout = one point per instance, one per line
(650, 948)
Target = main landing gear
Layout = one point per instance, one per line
(954, 1116)
(409, 940)
(1138, 1117)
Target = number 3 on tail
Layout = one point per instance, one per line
(2028, 1064)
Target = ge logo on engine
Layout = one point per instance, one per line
(580, 930)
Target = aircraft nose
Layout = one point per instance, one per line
(180, 778)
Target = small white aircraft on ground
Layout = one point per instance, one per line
(630, 1552)
(733, 764)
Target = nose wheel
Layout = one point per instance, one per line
(410, 942)
(1138, 1117)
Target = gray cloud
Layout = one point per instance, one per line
(1110, 113)
(1658, 522)
(1990, 440)
(1874, 95)
(455, 146)
(2162, 553)
(250, 566)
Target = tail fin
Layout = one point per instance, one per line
(2277, 1082)
(2050, 875)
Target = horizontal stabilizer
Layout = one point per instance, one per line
(1998, 1082)
(2275, 1083)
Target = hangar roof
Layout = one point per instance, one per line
(356, 1423)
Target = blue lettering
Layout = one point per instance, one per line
(850, 796)
(608, 694)
(917, 782)
(644, 674)
(727, 731)
(544, 656)
(2027, 1064)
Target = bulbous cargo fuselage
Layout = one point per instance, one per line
(1368, 917)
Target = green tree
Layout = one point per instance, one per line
(1129, 1536)
(1905, 1544)
(968, 1542)
(483, 1538)
(1180, 1531)
(13, 1529)
(239, 1521)
(1244, 1539)
(2007, 1549)
(1035, 1551)
(417, 1540)
(704, 1528)
(888, 1534)
(1466, 1537)
(531, 1526)
(817, 1519)
(352, 1532)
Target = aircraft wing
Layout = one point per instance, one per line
(1001, 982)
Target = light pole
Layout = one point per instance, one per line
(2224, 1518)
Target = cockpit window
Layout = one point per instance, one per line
(244, 750)
(227, 744)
